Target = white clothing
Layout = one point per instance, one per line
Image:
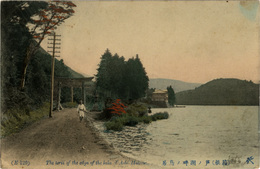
(81, 110)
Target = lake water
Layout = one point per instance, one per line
(201, 133)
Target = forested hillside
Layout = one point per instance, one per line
(26, 67)
(37, 88)
(221, 92)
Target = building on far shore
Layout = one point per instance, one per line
(160, 95)
(160, 98)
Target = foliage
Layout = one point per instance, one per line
(131, 121)
(145, 119)
(117, 107)
(117, 78)
(24, 24)
(160, 116)
(37, 89)
(49, 18)
(137, 109)
(221, 92)
(42, 24)
(112, 125)
(16, 119)
(171, 96)
(149, 94)
(15, 16)
(136, 79)
(117, 123)
(112, 108)
(102, 76)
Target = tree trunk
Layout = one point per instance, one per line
(25, 66)
(23, 76)
(29, 53)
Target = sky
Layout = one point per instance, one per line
(191, 41)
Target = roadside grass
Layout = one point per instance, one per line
(16, 119)
(70, 105)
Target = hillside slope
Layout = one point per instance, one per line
(176, 84)
(221, 92)
(61, 69)
(74, 73)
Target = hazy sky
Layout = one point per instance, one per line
(191, 41)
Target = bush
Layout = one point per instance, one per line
(112, 108)
(113, 125)
(131, 121)
(159, 116)
(137, 109)
(117, 123)
(146, 119)
(126, 120)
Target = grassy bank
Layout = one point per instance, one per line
(70, 105)
(16, 119)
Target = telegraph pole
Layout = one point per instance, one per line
(53, 47)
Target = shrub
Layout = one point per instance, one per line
(126, 120)
(116, 108)
(131, 121)
(113, 125)
(146, 119)
(159, 116)
(116, 123)
(137, 109)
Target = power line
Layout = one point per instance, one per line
(54, 50)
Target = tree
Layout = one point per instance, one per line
(15, 39)
(171, 96)
(109, 79)
(135, 78)
(102, 76)
(116, 73)
(149, 94)
(15, 35)
(41, 25)
(117, 78)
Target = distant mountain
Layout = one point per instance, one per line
(176, 84)
(221, 92)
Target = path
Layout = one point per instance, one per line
(61, 138)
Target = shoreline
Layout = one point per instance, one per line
(126, 143)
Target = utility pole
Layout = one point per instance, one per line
(53, 47)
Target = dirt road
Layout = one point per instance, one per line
(60, 142)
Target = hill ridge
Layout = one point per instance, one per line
(229, 91)
(178, 85)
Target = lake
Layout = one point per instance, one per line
(204, 137)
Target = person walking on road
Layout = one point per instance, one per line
(81, 110)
